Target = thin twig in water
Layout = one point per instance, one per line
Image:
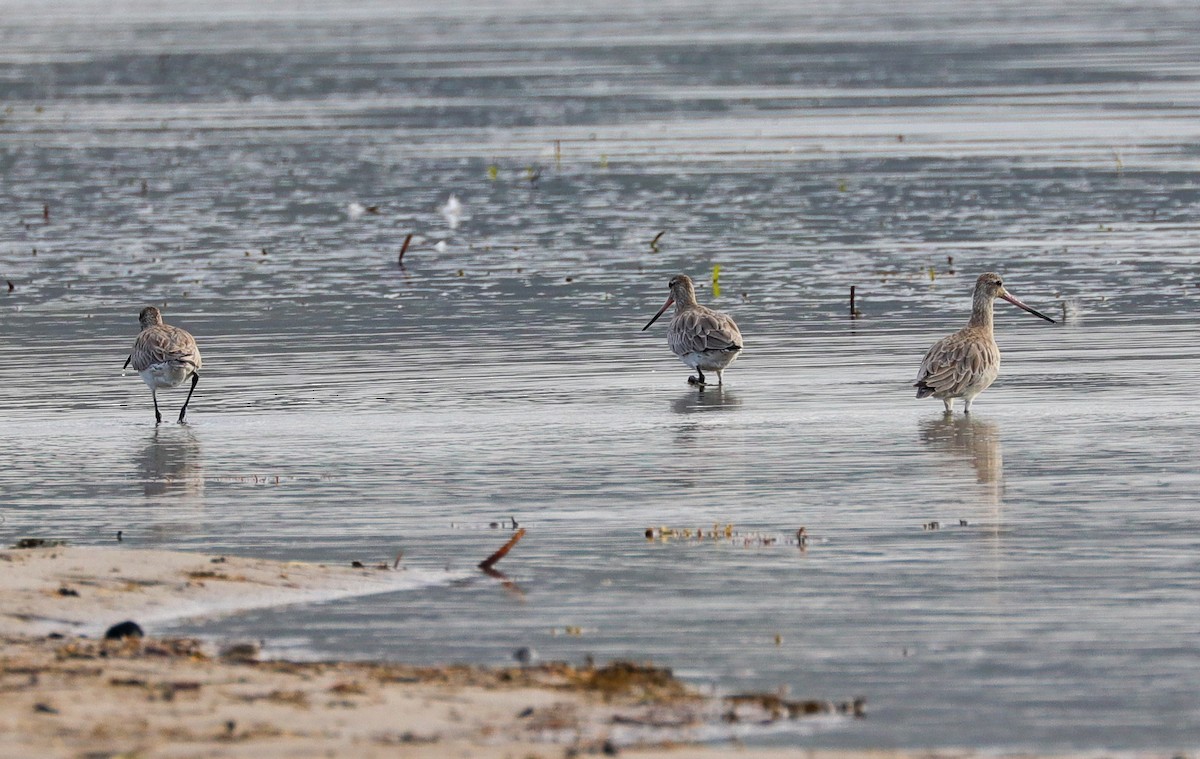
(403, 250)
(654, 242)
(490, 561)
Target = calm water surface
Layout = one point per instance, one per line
(207, 159)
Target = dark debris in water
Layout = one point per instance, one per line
(626, 678)
(769, 707)
(935, 525)
(501, 552)
(654, 242)
(38, 543)
(505, 523)
(727, 534)
(382, 565)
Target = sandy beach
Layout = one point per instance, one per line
(73, 697)
(70, 692)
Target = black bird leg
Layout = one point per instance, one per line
(157, 415)
(192, 389)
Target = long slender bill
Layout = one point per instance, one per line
(1024, 307)
(666, 305)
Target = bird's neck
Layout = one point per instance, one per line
(981, 314)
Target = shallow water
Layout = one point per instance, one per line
(350, 409)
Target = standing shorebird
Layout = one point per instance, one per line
(165, 356)
(964, 364)
(702, 338)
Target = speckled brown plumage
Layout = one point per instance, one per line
(966, 363)
(702, 338)
(164, 356)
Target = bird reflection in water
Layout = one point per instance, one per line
(170, 463)
(970, 439)
(971, 443)
(708, 399)
(698, 409)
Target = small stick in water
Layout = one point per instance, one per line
(854, 312)
(490, 561)
(399, 556)
(404, 249)
(654, 242)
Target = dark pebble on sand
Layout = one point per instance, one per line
(126, 629)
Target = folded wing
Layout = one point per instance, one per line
(701, 330)
(952, 365)
(164, 343)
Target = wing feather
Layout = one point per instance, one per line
(955, 363)
(162, 343)
(701, 329)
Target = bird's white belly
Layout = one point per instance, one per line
(709, 361)
(166, 374)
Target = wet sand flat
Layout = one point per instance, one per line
(84, 590)
(74, 698)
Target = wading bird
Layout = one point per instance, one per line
(704, 339)
(165, 356)
(964, 364)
